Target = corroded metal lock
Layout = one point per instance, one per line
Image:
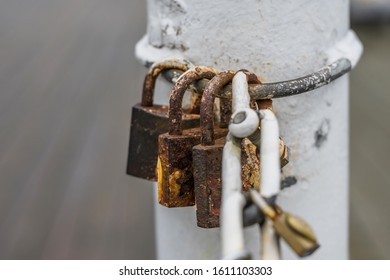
(148, 121)
(175, 173)
(207, 157)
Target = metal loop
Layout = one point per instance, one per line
(176, 98)
(207, 105)
(296, 86)
(154, 71)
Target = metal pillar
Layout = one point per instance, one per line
(278, 40)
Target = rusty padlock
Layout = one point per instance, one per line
(148, 121)
(207, 156)
(175, 174)
(250, 159)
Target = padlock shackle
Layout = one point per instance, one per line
(243, 99)
(154, 71)
(208, 98)
(176, 97)
(207, 105)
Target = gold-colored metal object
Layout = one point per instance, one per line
(294, 230)
(284, 153)
(298, 235)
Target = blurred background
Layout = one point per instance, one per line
(68, 78)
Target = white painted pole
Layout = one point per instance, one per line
(278, 40)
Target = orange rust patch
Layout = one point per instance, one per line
(250, 166)
(174, 187)
(159, 175)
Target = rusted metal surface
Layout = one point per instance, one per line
(176, 181)
(300, 85)
(207, 105)
(250, 165)
(148, 121)
(176, 98)
(226, 112)
(262, 104)
(208, 183)
(208, 156)
(196, 99)
(155, 70)
(175, 173)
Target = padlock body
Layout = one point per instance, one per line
(208, 174)
(176, 178)
(302, 245)
(208, 182)
(147, 123)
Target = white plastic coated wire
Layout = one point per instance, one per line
(269, 179)
(233, 244)
(232, 234)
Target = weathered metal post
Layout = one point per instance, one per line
(278, 41)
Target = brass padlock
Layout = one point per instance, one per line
(294, 230)
(175, 174)
(297, 233)
(148, 121)
(207, 157)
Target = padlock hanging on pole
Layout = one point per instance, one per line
(148, 121)
(207, 156)
(175, 174)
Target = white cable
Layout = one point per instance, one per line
(270, 247)
(231, 223)
(244, 121)
(241, 98)
(269, 154)
(232, 235)
(269, 179)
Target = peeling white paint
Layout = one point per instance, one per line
(349, 47)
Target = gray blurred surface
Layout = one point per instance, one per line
(370, 146)
(68, 78)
